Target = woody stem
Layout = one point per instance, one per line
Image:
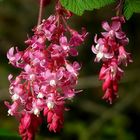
(119, 8)
(40, 12)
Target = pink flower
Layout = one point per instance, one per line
(14, 58)
(123, 56)
(102, 50)
(74, 68)
(114, 30)
(13, 108)
(77, 39)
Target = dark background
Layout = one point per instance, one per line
(90, 117)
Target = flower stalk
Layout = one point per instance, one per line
(40, 14)
(119, 8)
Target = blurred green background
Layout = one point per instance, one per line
(90, 117)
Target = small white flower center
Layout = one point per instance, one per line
(15, 97)
(97, 46)
(10, 112)
(36, 111)
(40, 95)
(52, 83)
(111, 33)
(65, 47)
(50, 104)
(10, 90)
(32, 77)
(100, 55)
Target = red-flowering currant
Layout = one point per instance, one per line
(110, 49)
(47, 77)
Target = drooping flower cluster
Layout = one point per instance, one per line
(111, 50)
(47, 78)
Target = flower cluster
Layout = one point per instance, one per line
(47, 78)
(111, 50)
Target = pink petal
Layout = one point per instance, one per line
(63, 40)
(106, 26)
(76, 66)
(108, 55)
(45, 112)
(59, 74)
(17, 56)
(124, 41)
(104, 34)
(94, 50)
(7, 104)
(27, 68)
(52, 27)
(26, 121)
(107, 83)
(69, 68)
(108, 95)
(117, 18)
(102, 73)
(120, 35)
(10, 77)
(73, 52)
(115, 86)
(115, 25)
(95, 38)
(49, 116)
(101, 41)
(10, 53)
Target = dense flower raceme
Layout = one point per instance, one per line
(111, 50)
(47, 78)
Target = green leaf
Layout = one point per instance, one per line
(130, 7)
(79, 6)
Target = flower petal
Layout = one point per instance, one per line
(94, 50)
(106, 26)
(73, 52)
(115, 25)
